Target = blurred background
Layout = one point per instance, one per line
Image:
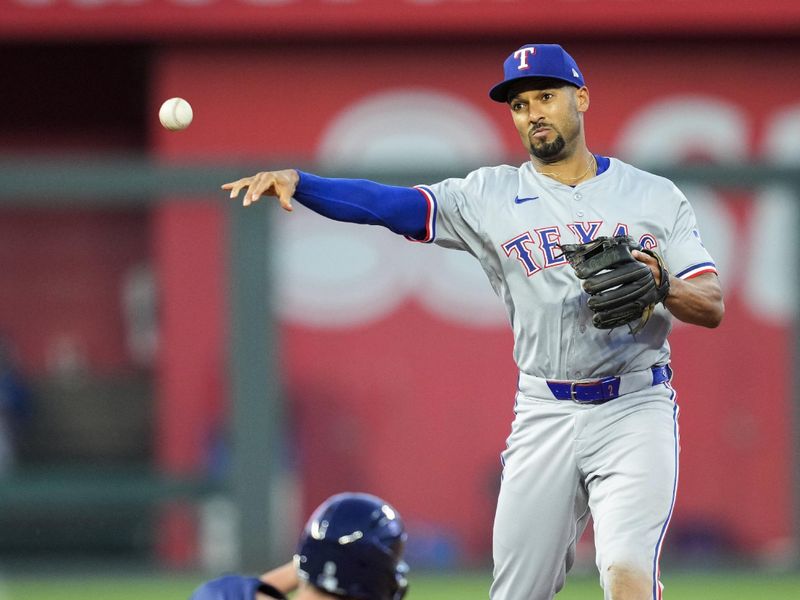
(182, 381)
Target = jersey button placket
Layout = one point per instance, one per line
(578, 197)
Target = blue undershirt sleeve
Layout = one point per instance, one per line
(403, 210)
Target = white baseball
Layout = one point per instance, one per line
(175, 114)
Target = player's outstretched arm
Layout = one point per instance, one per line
(697, 300)
(403, 210)
(283, 578)
(281, 184)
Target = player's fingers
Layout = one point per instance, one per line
(251, 186)
(234, 190)
(238, 182)
(643, 257)
(285, 199)
(236, 186)
(274, 183)
(261, 184)
(650, 261)
(284, 188)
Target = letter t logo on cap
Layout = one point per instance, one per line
(522, 55)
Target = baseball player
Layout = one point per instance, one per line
(595, 429)
(351, 548)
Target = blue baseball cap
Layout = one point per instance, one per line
(537, 60)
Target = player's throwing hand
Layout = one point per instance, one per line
(281, 184)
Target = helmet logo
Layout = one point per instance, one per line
(327, 579)
(353, 537)
(318, 529)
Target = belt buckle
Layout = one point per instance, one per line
(605, 391)
(574, 384)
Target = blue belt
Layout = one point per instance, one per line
(598, 391)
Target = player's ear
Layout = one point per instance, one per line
(582, 99)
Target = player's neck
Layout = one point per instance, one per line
(571, 171)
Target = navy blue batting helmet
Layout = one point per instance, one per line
(352, 546)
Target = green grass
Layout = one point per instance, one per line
(679, 586)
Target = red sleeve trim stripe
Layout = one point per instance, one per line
(695, 270)
(430, 219)
(698, 271)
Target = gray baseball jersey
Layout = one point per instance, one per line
(511, 219)
(563, 460)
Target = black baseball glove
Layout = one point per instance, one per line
(621, 289)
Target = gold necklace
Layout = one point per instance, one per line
(592, 163)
